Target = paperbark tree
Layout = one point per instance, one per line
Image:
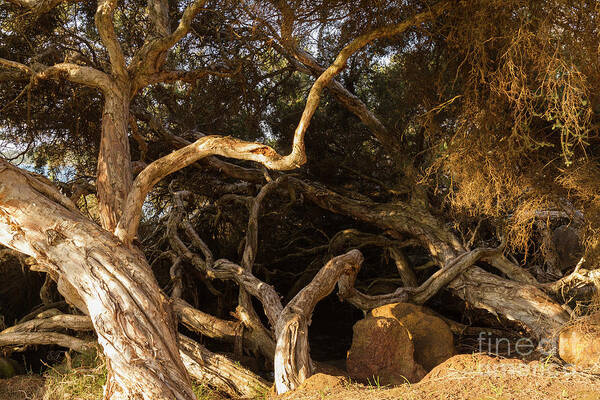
(99, 269)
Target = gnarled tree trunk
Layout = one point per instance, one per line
(115, 283)
(520, 301)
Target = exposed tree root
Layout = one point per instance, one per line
(220, 372)
(215, 370)
(63, 321)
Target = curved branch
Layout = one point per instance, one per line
(106, 30)
(298, 156)
(305, 62)
(73, 72)
(223, 330)
(250, 248)
(207, 146)
(265, 293)
(292, 358)
(323, 283)
(417, 295)
(234, 148)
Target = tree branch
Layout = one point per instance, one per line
(251, 151)
(150, 58)
(75, 73)
(207, 146)
(265, 155)
(158, 11)
(61, 321)
(297, 156)
(106, 30)
(36, 338)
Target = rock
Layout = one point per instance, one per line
(382, 351)
(431, 336)
(580, 345)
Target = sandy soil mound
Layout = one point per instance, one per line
(473, 377)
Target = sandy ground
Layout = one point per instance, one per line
(463, 377)
(466, 377)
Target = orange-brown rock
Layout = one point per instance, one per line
(580, 345)
(431, 336)
(382, 351)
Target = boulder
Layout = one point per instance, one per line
(580, 345)
(382, 352)
(431, 336)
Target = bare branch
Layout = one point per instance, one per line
(75, 73)
(61, 321)
(251, 246)
(207, 146)
(251, 151)
(292, 358)
(417, 295)
(305, 62)
(297, 156)
(106, 29)
(150, 58)
(36, 338)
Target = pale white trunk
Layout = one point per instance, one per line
(115, 283)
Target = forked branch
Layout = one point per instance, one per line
(237, 149)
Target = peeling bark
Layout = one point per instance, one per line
(63, 321)
(114, 179)
(128, 312)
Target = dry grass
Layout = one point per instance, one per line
(81, 378)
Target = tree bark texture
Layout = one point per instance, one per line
(129, 314)
(114, 178)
